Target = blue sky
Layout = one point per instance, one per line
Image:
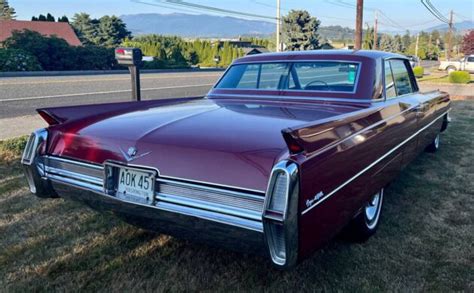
(407, 14)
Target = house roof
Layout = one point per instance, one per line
(255, 50)
(60, 29)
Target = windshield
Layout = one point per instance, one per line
(326, 76)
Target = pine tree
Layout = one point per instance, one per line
(85, 28)
(6, 11)
(41, 17)
(300, 31)
(63, 19)
(111, 31)
(50, 18)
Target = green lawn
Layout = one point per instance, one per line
(425, 242)
(444, 78)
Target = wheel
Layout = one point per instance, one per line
(434, 145)
(450, 69)
(366, 223)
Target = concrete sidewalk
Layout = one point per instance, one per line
(19, 126)
(454, 90)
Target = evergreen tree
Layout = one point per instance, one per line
(368, 42)
(111, 31)
(34, 18)
(85, 28)
(63, 19)
(41, 17)
(406, 41)
(50, 18)
(6, 11)
(386, 43)
(300, 31)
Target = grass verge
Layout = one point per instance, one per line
(424, 242)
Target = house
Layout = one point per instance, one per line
(255, 50)
(59, 29)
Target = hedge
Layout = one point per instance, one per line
(418, 71)
(459, 77)
(18, 60)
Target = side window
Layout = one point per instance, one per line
(401, 77)
(249, 77)
(470, 59)
(390, 91)
(271, 75)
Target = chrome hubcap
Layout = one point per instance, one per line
(436, 141)
(372, 209)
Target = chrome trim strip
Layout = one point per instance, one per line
(302, 98)
(372, 164)
(196, 186)
(222, 205)
(188, 211)
(73, 175)
(212, 183)
(161, 176)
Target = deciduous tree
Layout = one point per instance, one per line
(468, 43)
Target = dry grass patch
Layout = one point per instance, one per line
(424, 242)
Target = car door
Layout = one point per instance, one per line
(469, 65)
(401, 91)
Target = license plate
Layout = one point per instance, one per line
(136, 185)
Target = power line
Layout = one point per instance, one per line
(214, 9)
(434, 11)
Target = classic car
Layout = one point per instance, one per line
(285, 151)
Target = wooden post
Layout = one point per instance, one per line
(358, 26)
(450, 37)
(375, 31)
(278, 30)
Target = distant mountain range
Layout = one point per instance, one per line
(460, 26)
(211, 26)
(193, 26)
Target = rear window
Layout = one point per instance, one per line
(326, 76)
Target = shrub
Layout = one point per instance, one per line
(14, 145)
(18, 60)
(418, 71)
(459, 77)
(94, 58)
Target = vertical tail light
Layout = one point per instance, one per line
(280, 215)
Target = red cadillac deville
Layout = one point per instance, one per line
(282, 153)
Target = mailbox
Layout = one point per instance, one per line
(132, 58)
(128, 56)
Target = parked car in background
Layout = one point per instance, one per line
(464, 64)
(413, 60)
(284, 151)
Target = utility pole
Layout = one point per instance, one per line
(358, 25)
(376, 21)
(416, 46)
(450, 36)
(278, 47)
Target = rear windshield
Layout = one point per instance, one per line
(326, 76)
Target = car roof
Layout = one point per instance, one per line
(332, 54)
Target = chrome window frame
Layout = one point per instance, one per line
(354, 91)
